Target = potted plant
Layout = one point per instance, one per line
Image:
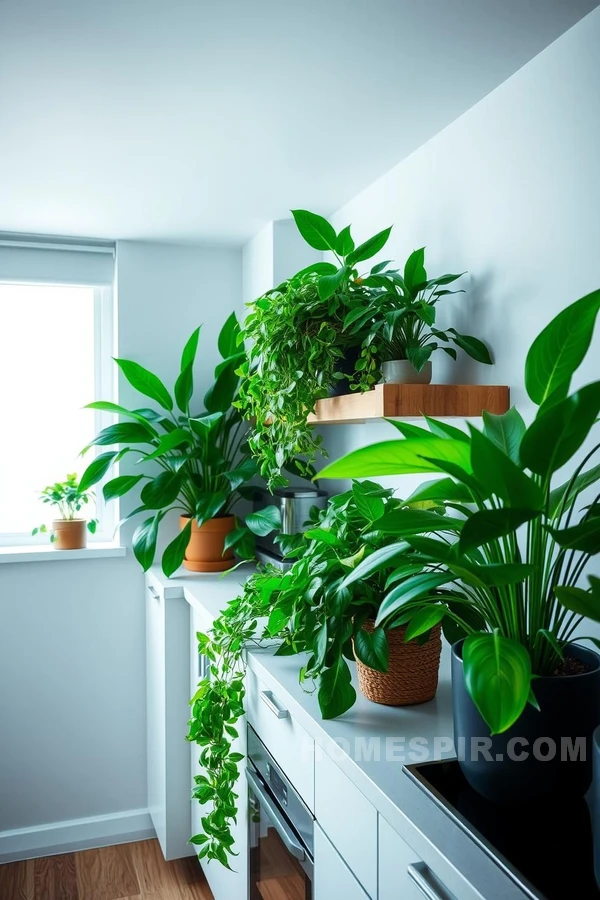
(300, 348)
(325, 604)
(196, 463)
(400, 314)
(513, 579)
(68, 530)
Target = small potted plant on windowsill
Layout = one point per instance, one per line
(197, 464)
(69, 530)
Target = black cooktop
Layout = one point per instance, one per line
(547, 850)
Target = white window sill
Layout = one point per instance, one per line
(48, 553)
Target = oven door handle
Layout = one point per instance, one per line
(281, 827)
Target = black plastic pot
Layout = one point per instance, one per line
(346, 365)
(547, 754)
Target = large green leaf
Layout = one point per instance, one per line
(499, 474)
(145, 382)
(316, 231)
(414, 588)
(403, 457)
(489, 524)
(443, 489)
(566, 494)
(220, 396)
(96, 470)
(369, 506)
(162, 491)
(497, 674)
(445, 430)
(584, 536)
(106, 406)
(144, 540)
(559, 350)
(122, 433)
(242, 474)
(506, 431)
(383, 558)
(414, 270)
(372, 649)
(417, 521)
(175, 552)
(184, 388)
(168, 442)
(188, 357)
(336, 694)
(424, 620)
(490, 574)
(369, 248)
(559, 431)
(472, 346)
(203, 425)
(228, 340)
(209, 505)
(264, 521)
(119, 486)
(584, 603)
(327, 285)
(344, 243)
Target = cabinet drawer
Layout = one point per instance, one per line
(348, 820)
(333, 878)
(401, 873)
(287, 741)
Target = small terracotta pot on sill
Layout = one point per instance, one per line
(205, 550)
(69, 534)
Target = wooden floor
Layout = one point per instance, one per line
(126, 872)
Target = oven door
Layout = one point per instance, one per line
(281, 867)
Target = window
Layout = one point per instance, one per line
(55, 357)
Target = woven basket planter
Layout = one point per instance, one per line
(412, 675)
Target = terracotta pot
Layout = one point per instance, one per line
(412, 675)
(69, 534)
(401, 371)
(205, 550)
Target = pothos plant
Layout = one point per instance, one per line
(195, 461)
(68, 498)
(512, 578)
(315, 607)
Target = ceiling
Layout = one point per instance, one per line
(200, 121)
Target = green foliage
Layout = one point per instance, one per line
(510, 577)
(69, 499)
(195, 463)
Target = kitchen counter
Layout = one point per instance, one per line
(370, 744)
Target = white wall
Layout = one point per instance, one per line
(72, 634)
(511, 193)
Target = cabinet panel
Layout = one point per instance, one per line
(333, 878)
(167, 695)
(285, 739)
(402, 875)
(348, 819)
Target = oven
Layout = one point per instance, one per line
(281, 830)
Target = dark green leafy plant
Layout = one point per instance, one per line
(69, 499)
(513, 573)
(198, 461)
(400, 314)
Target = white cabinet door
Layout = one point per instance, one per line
(224, 883)
(333, 878)
(402, 875)
(167, 696)
(348, 819)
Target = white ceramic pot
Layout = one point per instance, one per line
(401, 371)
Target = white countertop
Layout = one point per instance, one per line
(390, 729)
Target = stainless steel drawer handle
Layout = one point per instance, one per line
(269, 700)
(153, 592)
(418, 872)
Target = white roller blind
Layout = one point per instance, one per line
(28, 258)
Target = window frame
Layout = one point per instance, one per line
(104, 389)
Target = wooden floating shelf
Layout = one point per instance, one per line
(405, 400)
